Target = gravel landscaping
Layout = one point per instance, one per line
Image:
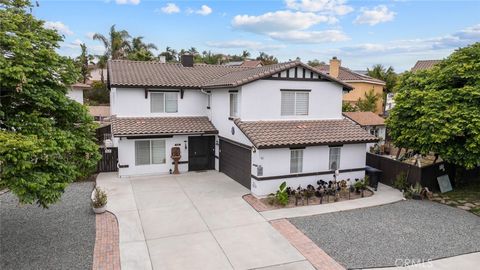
(386, 235)
(61, 237)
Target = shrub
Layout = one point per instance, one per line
(401, 181)
(281, 196)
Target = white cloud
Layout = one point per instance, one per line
(170, 8)
(59, 26)
(204, 10)
(244, 44)
(125, 2)
(73, 44)
(310, 36)
(376, 15)
(89, 35)
(336, 7)
(279, 21)
(461, 38)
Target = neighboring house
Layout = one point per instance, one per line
(424, 64)
(371, 122)
(76, 92)
(101, 114)
(361, 83)
(246, 63)
(96, 74)
(260, 126)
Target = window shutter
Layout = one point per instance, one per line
(157, 102)
(142, 152)
(288, 103)
(171, 102)
(301, 104)
(158, 152)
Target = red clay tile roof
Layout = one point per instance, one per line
(365, 118)
(99, 110)
(137, 126)
(81, 86)
(251, 63)
(424, 64)
(348, 75)
(273, 134)
(155, 74)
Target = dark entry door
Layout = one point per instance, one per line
(201, 153)
(235, 161)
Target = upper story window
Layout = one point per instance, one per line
(209, 100)
(374, 132)
(334, 158)
(150, 152)
(296, 160)
(233, 104)
(294, 102)
(164, 102)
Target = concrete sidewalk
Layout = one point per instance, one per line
(195, 220)
(384, 195)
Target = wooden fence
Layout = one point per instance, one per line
(427, 175)
(109, 160)
(103, 133)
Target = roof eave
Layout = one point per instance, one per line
(167, 134)
(315, 144)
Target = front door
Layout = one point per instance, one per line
(201, 153)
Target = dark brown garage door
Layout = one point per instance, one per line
(235, 161)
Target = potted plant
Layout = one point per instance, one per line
(99, 201)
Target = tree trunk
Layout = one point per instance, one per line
(398, 152)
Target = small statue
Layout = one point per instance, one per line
(176, 157)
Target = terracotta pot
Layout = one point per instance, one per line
(100, 210)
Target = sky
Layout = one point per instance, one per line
(361, 33)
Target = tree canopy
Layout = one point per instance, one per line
(438, 110)
(387, 75)
(46, 139)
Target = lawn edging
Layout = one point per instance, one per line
(106, 254)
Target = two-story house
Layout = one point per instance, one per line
(260, 126)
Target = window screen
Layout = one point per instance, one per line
(158, 151)
(142, 152)
(334, 158)
(157, 102)
(296, 160)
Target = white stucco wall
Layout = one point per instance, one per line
(276, 162)
(132, 102)
(220, 107)
(76, 94)
(261, 100)
(126, 156)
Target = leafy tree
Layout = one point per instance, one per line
(267, 59)
(315, 63)
(140, 51)
(347, 107)
(83, 61)
(46, 139)
(387, 75)
(170, 54)
(369, 102)
(98, 94)
(438, 110)
(116, 43)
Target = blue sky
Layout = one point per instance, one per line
(360, 33)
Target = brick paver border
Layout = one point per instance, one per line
(255, 203)
(106, 255)
(315, 255)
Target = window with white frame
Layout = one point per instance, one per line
(334, 158)
(150, 152)
(296, 160)
(374, 131)
(294, 102)
(233, 104)
(164, 102)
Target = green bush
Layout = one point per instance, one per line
(400, 182)
(281, 197)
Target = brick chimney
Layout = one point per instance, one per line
(335, 67)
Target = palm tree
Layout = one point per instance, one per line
(102, 64)
(193, 51)
(245, 54)
(140, 51)
(116, 44)
(387, 75)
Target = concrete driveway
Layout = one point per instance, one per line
(193, 221)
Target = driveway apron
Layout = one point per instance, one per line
(196, 220)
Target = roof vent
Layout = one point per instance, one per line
(187, 60)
